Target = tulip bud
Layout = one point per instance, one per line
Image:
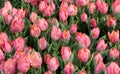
(42, 43)
(72, 10)
(73, 28)
(6, 47)
(33, 2)
(3, 38)
(111, 21)
(91, 7)
(115, 6)
(66, 35)
(114, 53)
(69, 68)
(8, 19)
(95, 32)
(93, 22)
(103, 7)
(98, 58)
(84, 17)
(42, 6)
(33, 17)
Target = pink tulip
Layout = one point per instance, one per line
(48, 72)
(33, 2)
(14, 12)
(114, 53)
(33, 17)
(113, 68)
(82, 3)
(27, 49)
(21, 13)
(6, 47)
(18, 54)
(47, 1)
(2, 56)
(111, 21)
(48, 11)
(53, 64)
(72, 10)
(42, 24)
(83, 54)
(93, 22)
(113, 36)
(66, 53)
(19, 43)
(42, 6)
(84, 17)
(100, 67)
(73, 28)
(3, 38)
(98, 4)
(8, 19)
(83, 72)
(103, 8)
(35, 31)
(69, 68)
(101, 45)
(95, 32)
(9, 66)
(55, 22)
(98, 58)
(35, 59)
(56, 33)
(17, 25)
(23, 63)
(116, 6)
(83, 39)
(42, 43)
(66, 35)
(91, 7)
(47, 58)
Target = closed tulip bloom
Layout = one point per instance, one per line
(73, 28)
(83, 54)
(35, 31)
(93, 22)
(84, 17)
(66, 53)
(114, 53)
(83, 72)
(95, 32)
(3, 38)
(53, 64)
(19, 43)
(23, 63)
(72, 10)
(21, 13)
(113, 68)
(113, 36)
(116, 6)
(9, 66)
(42, 6)
(69, 68)
(35, 59)
(100, 67)
(17, 25)
(2, 56)
(33, 17)
(83, 39)
(48, 72)
(42, 43)
(42, 24)
(33, 2)
(111, 21)
(82, 3)
(18, 54)
(48, 11)
(8, 19)
(103, 8)
(91, 7)
(56, 33)
(98, 58)
(66, 35)
(6, 47)
(101, 45)
(98, 4)
(47, 58)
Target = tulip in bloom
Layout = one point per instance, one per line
(18, 54)
(113, 68)
(42, 6)
(91, 7)
(19, 43)
(116, 6)
(114, 53)
(66, 35)
(82, 3)
(100, 67)
(9, 66)
(6, 47)
(93, 22)
(23, 63)
(21, 13)
(95, 32)
(98, 58)
(47, 58)
(83, 72)
(72, 10)
(35, 59)
(69, 68)
(66, 53)
(84, 17)
(103, 7)
(98, 4)
(35, 31)
(2, 57)
(8, 19)
(56, 33)
(3, 38)
(111, 21)
(48, 11)
(33, 17)
(113, 36)
(42, 43)
(33, 2)
(83, 39)
(83, 54)
(53, 64)
(48, 72)
(73, 28)
(101, 45)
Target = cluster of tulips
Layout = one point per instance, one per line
(60, 37)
